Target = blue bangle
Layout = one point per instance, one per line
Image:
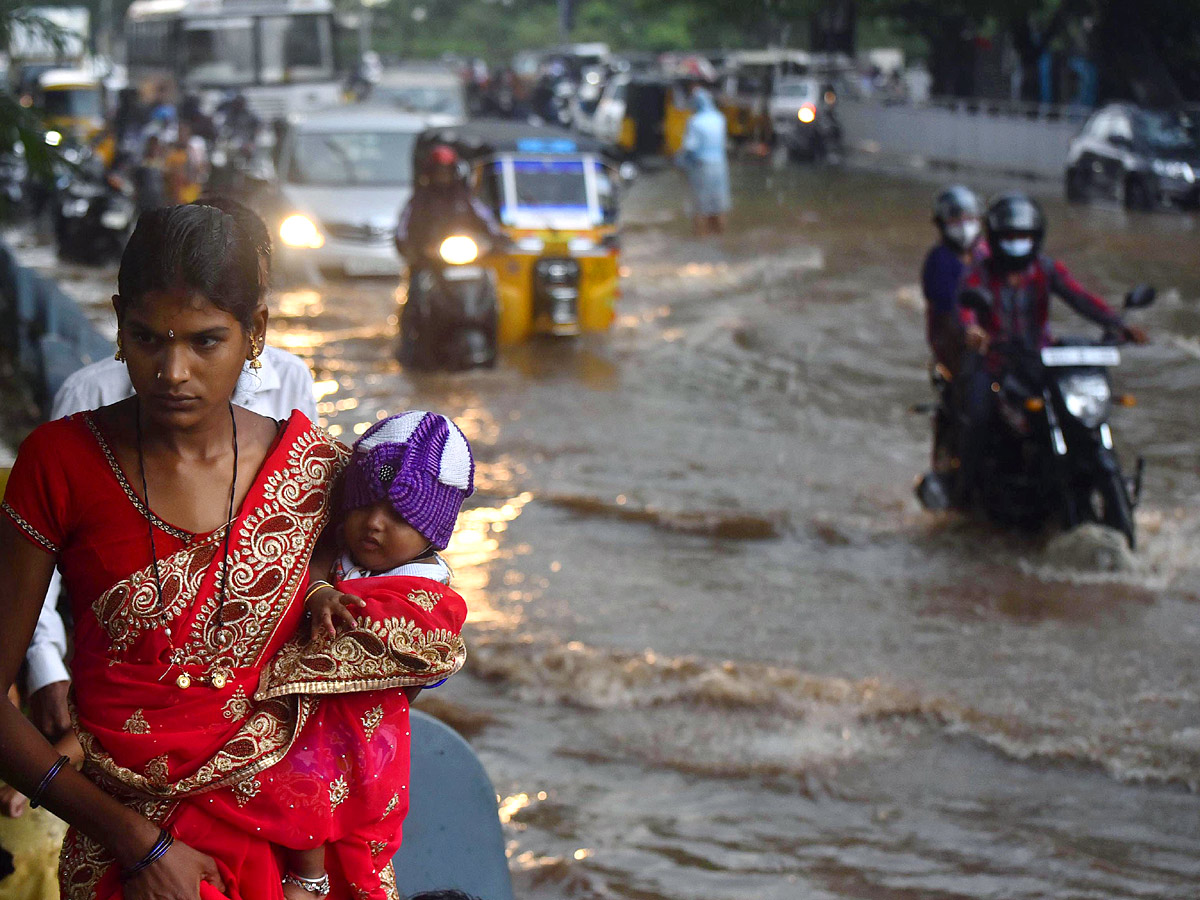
(153, 855)
(35, 799)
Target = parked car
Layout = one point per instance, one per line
(344, 176)
(1142, 158)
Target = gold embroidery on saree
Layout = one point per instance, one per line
(427, 600)
(269, 557)
(246, 790)
(391, 805)
(387, 878)
(338, 792)
(377, 847)
(237, 706)
(371, 719)
(374, 655)
(136, 724)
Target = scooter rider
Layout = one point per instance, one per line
(441, 204)
(1006, 298)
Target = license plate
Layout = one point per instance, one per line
(1081, 356)
(462, 273)
(114, 219)
(371, 267)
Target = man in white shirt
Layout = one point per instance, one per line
(282, 384)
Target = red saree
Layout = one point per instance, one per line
(235, 738)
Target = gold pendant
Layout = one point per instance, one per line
(218, 679)
(184, 681)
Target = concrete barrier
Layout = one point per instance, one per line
(1025, 140)
(44, 330)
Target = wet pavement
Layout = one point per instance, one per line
(717, 650)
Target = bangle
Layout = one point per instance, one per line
(153, 855)
(313, 588)
(35, 799)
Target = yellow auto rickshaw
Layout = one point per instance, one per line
(554, 193)
(71, 103)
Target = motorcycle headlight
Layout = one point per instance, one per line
(807, 114)
(298, 230)
(459, 250)
(1088, 398)
(1173, 168)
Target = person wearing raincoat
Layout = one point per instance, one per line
(702, 157)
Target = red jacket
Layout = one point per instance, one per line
(1021, 312)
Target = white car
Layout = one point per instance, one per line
(435, 93)
(344, 176)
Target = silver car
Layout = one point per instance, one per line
(344, 176)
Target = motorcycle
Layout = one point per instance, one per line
(1050, 454)
(94, 214)
(450, 314)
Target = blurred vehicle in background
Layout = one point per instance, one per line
(1142, 158)
(94, 213)
(556, 196)
(344, 175)
(803, 118)
(749, 83)
(642, 116)
(278, 54)
(436, 93)
(31, 54)
(71, 104)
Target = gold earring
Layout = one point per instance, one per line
(119, 356)
(255, 362)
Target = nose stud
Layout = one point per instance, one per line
(171, 333)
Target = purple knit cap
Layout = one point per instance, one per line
(418, 461)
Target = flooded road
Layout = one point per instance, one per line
(717, 650)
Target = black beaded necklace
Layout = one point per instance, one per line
(150, 527)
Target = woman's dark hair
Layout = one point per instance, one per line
(193, 246)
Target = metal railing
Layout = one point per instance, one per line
(43, 330)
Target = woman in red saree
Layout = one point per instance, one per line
(185, 529)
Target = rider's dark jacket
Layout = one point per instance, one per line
(434, 213)
(1020, 312)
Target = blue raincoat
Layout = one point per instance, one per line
(703, 156)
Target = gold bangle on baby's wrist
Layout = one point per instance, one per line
(313, 588)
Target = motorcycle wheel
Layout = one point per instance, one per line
(1117, 511)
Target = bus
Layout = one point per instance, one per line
(279, 54)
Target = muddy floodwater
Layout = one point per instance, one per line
(717, 650)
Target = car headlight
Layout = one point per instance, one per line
(1087, 398)
(1173, 168)
(807, 114)
(459, 250)
(298, 230)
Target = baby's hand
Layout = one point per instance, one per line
(327, 605)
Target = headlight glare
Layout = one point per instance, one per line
(298, 230)
(1088, 398)
(459, 250)
(1173, 168)
(807, 114)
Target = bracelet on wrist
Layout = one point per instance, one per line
(317, 886)
(313, 588)
(35, 799)
(153, 855)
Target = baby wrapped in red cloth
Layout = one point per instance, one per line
(389, 626)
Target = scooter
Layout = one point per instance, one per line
(450, 313)
(1051, 453)
(94, 214)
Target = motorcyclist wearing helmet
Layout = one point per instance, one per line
(1015, 283)
(956, 214)
(1006, 298)
(442, 204)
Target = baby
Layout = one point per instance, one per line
(347, 773)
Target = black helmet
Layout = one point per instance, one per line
(952, 206)
(1015, 228)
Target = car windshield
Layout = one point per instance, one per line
(352, 158)
(798, 90)
(552, 184)
(1166, 132)
(417, 98)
